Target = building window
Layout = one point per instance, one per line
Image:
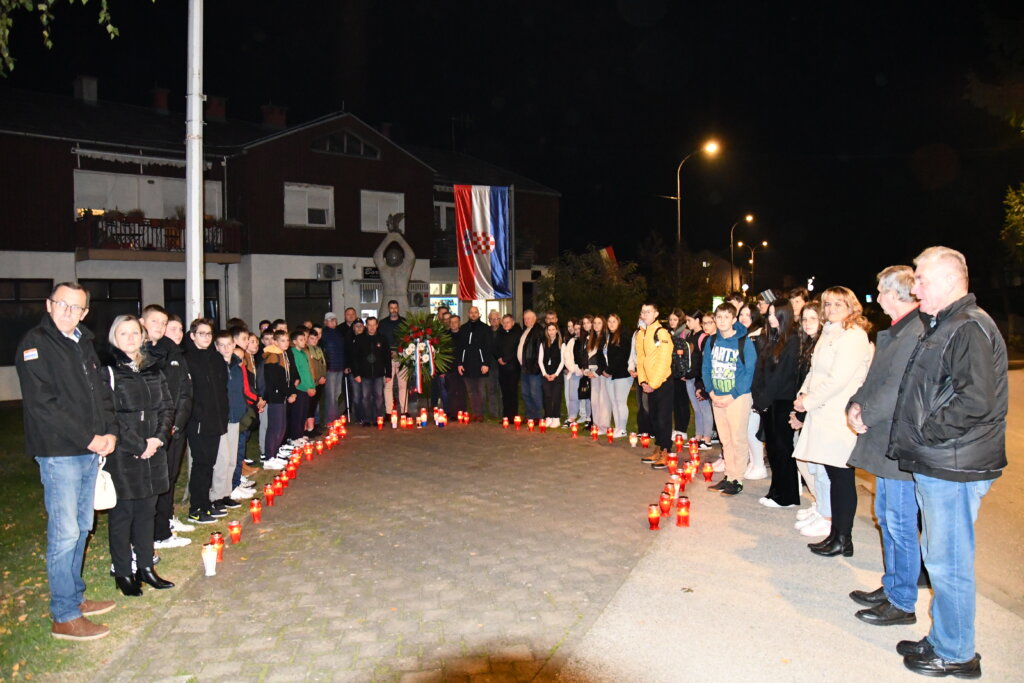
(109, 299)
(306, 300)
(22, 306)
(174, 300)
(346, 144)
(377, 206)
(155, 196)
(308, 206)
(444, 217)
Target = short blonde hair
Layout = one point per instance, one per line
(951, 257)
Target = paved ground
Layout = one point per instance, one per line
(423, 555)
(476, 554)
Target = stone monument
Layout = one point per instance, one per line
(394, 259)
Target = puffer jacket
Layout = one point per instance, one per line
(654, 355)
(950, 418)
(171, 361)
(142, 404)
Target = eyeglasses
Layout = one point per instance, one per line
(65, 306)
(203, 334)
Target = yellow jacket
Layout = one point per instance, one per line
(653, 355)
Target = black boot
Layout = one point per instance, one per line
(149, 575)
(825, 543)
(840, 544)
(128, 585)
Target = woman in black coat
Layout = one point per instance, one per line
(142, 403)
(774, 389)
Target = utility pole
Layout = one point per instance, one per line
(194, 165)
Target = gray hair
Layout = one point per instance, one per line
(899, 280)
(951, 257)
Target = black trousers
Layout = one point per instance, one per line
(680, 404)
(508, 380)
(130, 525)
(552, 394)
(204, 455)
(660, 407)
(475, 395)
(643, 412)
(844, 498)
(456, 386)
(778, 435)
(165, 501)
(297, 414)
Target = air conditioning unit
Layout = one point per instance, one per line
(419, 294)
(330, 271)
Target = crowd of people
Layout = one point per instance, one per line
(786, 383)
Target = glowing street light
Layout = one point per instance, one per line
(753, 250)
(711, 148)
(749, 218)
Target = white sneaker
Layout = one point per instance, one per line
(769, 503)
(754, 472)
(804, 513)
(718, 465)
(173, 542)
(180, 526)
(275, 464)
(246, 481)
(621, 433)
(704, 446)
(809, 519)
(819, 527)
(241, 493)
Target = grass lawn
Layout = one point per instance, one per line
(26, 648)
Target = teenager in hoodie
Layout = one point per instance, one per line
(729, 361)
(275, 379)
(209, 419)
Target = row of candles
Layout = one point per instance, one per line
(675, 487)
(213, 551)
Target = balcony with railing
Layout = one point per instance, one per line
(124, 238)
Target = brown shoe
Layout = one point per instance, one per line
(249, 471)
(91, 608)
(662, 461)
(79, 629)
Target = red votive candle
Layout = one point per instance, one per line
(543, 426)
(611, 435)
(504, 423)
(653, 516)
(594, 433)
(380, 422)
(645, 440)
(235, 531)
(517, 420)
(530, 424)
(217, 539)
(269, 493)
(708, 471)
(665, 503)
(575, 430)
(256, 510)
(683, 516)
(278, 489)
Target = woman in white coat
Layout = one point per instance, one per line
(838, 368)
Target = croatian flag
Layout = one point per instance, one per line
(482, 230)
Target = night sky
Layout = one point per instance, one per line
(845, 127)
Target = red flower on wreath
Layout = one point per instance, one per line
(406, 339)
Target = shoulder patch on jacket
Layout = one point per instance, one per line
(30, 354)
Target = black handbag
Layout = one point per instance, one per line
(584, 390)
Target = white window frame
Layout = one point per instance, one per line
(375, 206)
(307, 196)
(156, 196)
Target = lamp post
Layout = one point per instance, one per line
(753, 251)
(710, 149)
(749, 218)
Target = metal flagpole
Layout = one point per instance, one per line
(512, 243)
(194, 165)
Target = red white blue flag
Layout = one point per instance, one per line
(482, 231)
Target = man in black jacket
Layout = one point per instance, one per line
(209, 418)
(527, 354)
(506, 346)
(473, 357)
(171, 361)
(69, 424)
(371, 366)
(870, 415)
(388, 329)
(949, 431)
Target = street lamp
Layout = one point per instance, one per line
(710, 149)
(753, 250)
(749, 218)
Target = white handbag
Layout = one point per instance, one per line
(106, 496)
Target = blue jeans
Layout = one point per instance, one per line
(373, 398)
(333, 389)
(896, 510)
(949, 510)
(822, 489)
(532, 396)
(703, 418)
(618, 396)
(69, 486)
(572, 395)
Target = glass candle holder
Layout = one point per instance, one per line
(653, 516)
(633, 439)
(256, 511)
(268, 494)
(235, 531)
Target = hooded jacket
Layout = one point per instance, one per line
(209, 390)
(275, 375)
(724, 372)
(950, 417)
(653, 355)
(66, 400)
(144, 410)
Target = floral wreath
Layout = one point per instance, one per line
(424, 348)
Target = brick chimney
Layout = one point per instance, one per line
(161, 96)
(275, 115)
(216, 108)
(86, 88)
